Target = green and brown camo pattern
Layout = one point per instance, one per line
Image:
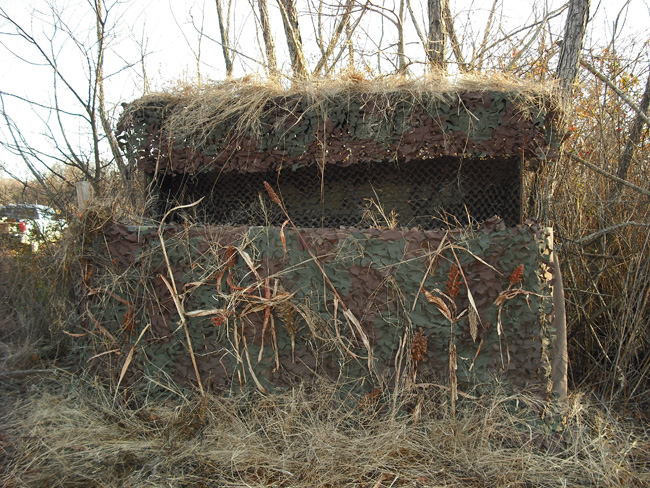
(260, 312)
(294, 131)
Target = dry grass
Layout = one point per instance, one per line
(198, 109)
(30, 308)
(69, 433)
(59, 430)
(603, 233)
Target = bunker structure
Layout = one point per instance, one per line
(355, 234)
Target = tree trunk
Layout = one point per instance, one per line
(294, 41)
(635, 134)
(344, 23)
(100, 23)
(451, 32)
(574, 33)
(437, 36)
(268, 39)
(401, 52)
(225, 43)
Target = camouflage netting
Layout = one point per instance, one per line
(246, 300)
(442, 145)
(260, 311)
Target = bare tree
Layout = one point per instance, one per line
(269, 44)
(437, 38)
(574, 33)
(88, 110)
(224, 30)
(294, 39)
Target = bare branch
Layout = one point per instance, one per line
(635, 134)
(451, 31)
(616, 90)
(535, 35)
(481, 53)
(99, 78)
(342, 24)
(592, 237)
(604, 173)
(417, 26)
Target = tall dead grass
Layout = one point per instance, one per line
(603, 232)
(196, 110)
(31, 306)
(74, 435)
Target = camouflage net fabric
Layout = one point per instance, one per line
(352, 128)
(421, 194)
(264, 307)
(426, 154)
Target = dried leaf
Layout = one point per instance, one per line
(439, 302)
(128, 323)
(453, 282)
(473, 323)
(76, 336)
(129, 358)
(419, 346)
(101, 328)
(230, 256)
(283, 238)
(125, 367)
(250, 368)
(453, 379)
(116, 351)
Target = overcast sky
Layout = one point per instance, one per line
(169, 33)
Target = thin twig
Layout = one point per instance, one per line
(611, 84)
(591, 237)
(604, 173)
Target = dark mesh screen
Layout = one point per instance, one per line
(422, 194)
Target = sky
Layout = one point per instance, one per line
(172, 41)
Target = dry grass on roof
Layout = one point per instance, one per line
(245, 100)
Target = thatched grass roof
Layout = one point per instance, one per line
(253, 125)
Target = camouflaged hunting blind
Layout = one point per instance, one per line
(344, 267)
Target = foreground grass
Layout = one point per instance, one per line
(59, 429)
(65, 431)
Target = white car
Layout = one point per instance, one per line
(30, 224)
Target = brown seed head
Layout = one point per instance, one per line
(453, 282)
(419, 346)
(272, 193)
(517, 275)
